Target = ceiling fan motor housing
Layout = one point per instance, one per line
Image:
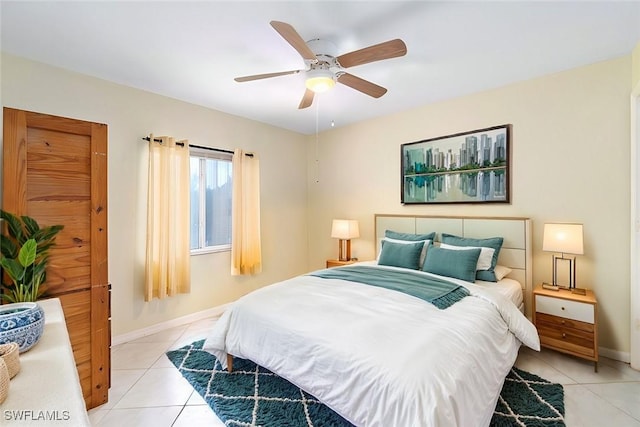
(325, 56)
(323, 47)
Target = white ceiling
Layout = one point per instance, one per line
(193, 50)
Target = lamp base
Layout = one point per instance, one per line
(344, 255)
(578, 291)
(571, 270)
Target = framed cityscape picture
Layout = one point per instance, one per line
(468, 167)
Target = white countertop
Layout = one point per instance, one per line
(46, 391)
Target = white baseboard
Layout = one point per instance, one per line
(159, 327)
(621, 356)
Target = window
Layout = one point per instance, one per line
(211, 189)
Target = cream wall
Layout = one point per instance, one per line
(570, 162)
(635, 67)
(132, 114)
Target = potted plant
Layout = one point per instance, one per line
(24, 254)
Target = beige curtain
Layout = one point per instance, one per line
(167, 268)
(246, 255)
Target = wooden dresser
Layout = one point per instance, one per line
(567, 322)
(46, 391)
(55, 170)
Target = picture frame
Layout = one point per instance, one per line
(466, 167)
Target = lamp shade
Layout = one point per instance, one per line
(345, 229)
(563, 238)
(319, 80)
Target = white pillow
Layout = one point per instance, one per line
(423, 254)
(485, 258)
(501, 271)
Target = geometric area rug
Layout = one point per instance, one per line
(253, 396)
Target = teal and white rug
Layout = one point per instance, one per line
(253, 396)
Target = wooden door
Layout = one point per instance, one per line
(55, 170)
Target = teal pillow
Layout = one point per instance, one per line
(423, 254)
(406, 255)
(408, 236)
(488, 275)
(452, 263)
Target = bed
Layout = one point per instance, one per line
(368, 342)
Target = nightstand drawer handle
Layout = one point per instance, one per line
(564, 335)
(563, 322)
(562, 308)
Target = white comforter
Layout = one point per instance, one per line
(380, 357)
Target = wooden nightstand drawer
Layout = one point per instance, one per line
(568, 346)
(564, 308)
(561, 322)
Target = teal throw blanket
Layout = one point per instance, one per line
(438, 292)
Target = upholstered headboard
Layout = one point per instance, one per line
(516, 250)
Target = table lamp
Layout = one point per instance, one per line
(344, 230)
(565, 239)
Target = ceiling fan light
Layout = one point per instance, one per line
(320, 81)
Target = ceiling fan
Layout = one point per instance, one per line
(323, 68)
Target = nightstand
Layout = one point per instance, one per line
(338, 263)
(567, 322)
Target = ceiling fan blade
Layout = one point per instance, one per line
(307, 99)
(264, 76)
(362, 85)
(293, 38)
(378, 52)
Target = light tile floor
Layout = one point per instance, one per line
(147, 390)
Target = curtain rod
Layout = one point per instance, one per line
(146, 138)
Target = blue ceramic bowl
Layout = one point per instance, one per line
(21, 322)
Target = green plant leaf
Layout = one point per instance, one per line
(14, 225)
(8, 247)
(38, 269)
(13, 268)
(27, 253)
(47, 233)
(30, 225)
(9, 297)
